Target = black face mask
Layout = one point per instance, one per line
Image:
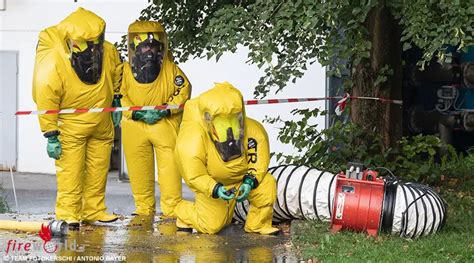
(147, 65)
(231, 148)
(88, 64)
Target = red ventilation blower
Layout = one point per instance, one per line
(358, 201)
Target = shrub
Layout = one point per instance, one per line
(417, 158)
(3, 203)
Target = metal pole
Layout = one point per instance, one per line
(14, 189)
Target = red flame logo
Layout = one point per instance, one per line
(45, 233)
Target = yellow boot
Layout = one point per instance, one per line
(103, 218)
(107, 218)
(183, 227)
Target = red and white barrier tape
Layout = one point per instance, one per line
(342, 102)
(109, 109)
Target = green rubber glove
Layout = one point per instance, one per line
(162, 114)
(116, 115)
(221, 192)
(244, 190)
(149, 116)
(54, 147)
(144, 115)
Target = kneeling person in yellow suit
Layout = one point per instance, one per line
(75, 68)
(151, 78)
(219, 149)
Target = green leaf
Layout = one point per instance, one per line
(406, 46)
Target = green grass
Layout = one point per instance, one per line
(455, 243)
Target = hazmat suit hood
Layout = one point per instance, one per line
(82, 25)
(147, 49)
(222, 99)
(84, 34)
(223, 117)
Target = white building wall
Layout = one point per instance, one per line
(22, 21)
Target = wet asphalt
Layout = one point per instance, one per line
(131, 239)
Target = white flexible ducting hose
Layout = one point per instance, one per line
(418, 210)
(409, 210)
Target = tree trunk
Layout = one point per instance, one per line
(384, 119)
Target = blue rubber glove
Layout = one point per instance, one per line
(54, 147)
(116, 115)
(221, 193)
(244, 190)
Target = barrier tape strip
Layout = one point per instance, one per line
(173, 107)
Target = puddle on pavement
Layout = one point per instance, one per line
(151, 239)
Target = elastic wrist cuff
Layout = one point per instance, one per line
(254, 182)
(214, 191)
(116, 103)
(51, 134)
(134, 116)
(168, 111)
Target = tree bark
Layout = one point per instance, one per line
(373, 116)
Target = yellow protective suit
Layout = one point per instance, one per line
(144, 143)
(202, 167)
(86, 138)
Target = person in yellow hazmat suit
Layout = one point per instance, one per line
(223, 156)
(75, 68)
(151, 78)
